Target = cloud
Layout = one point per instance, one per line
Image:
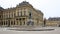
(48, 7)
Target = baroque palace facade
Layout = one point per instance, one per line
(25, 14)
(53, 21)
(22, 15)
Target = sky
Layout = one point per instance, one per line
(50, 8)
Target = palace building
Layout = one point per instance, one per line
(23, 14)
(53, 21)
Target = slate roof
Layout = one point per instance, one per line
(54, 19)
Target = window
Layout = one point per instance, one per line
(30, 15)
(10, 15)
(14, 22)
(17, 22)
(21, 13)
(17, 13)
(24, 11)
(0, 16)
(24, 22)
(6, 15)
(2, 23)
(19, 18)
(23, 18)
(6, 22)
(11, 22)
(14, 14)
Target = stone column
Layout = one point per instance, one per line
(25, 22)
(15, 23)
(18, 22)
(3, 23)
(22, 22)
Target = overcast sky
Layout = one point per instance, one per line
(50, 8)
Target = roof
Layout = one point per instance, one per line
(1, 9)
(24, 3)
(39, 11)
(54, 19)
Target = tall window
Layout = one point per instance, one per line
(17, 13)
(30, 15)
(17, 22)
(11, 22)
(6, 22)
(14, 22)
(14, 15)
(24, 22)
(24, 11)
(2, 23)
(0, 16)
(9, 14)
(21, 13)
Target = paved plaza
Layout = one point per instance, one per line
(6, 31)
